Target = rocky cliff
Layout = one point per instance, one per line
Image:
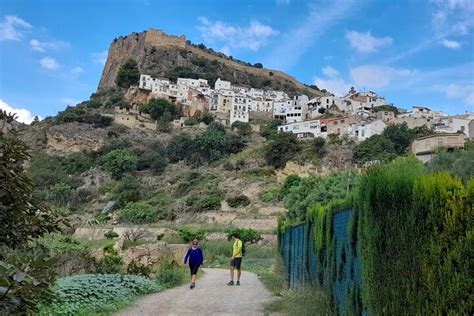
(167, 56)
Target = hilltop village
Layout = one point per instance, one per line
(357, 115)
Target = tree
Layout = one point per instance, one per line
(321, 110)
(269, 130)
(318, 146)
(180, 146)
(281, 148)
(207, 118)
(154, 158)
(160, 109)
(243, 129)
(25, 273)
(375, 148)
(258, 65)
(128, 74)
(118, 162)
(401, 137)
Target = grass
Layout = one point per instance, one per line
(304, 302)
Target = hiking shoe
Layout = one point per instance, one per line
(238, 283)
(230, 283)
(192, 286)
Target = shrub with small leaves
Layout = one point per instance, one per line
(111, 234)
(239, 200)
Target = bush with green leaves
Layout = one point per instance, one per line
(207, 118)
(46, 171)
(80, 114)
(160, 109)
(119, 162)
(128, 74)
(129, 189)
(170, 274)
(59, 194)
(247, 235)
(458, 162)
(281, 148)
(180, 147)
(111, 234)
(25, 272)
(154, 158)
(299, 194)
(95, 293)
(243, 129)
(191, 121)
(239, 200)
(136, 268)
(270, 130)
(77, 163)
(421, 227)
(206, 201)
(318, 146)
(189, 235)
(139, 213)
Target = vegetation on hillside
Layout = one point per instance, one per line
(128, 74)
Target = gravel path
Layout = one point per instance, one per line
(211, 296)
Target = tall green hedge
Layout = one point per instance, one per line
(416, 236)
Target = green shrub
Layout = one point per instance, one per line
(281, 148)
(160, 109)
(243, 129)
(239, 200)
(153, 158)
(247, 235)
(207, 118)
(458, 163)
(111, 234)
(93, 293)
(138, 269)
(77, 163)
(270, 130)
(210, 201)
(59, 194)
(118, 162)
(128, 74)
(128, 190)
(270, 195)
(192, 121)
(170, 274)
(139, 213)
(180, 147)
(189, 235)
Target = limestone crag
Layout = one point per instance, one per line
(167, 56)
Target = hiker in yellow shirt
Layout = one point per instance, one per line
(236, 259)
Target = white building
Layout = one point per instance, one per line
(199, 84)
(305, 129)
(457, 124)
(364, 130)
(222, 85)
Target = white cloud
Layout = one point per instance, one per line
(12, 28)
(458, 91)
(450, 44)
(295, 43)
(452, 17)
(330, 72)
(49, 63)
(252, 36)
(40, 46)
(100, 57)
(23, 115)
(366, 43)
(332, 83)
(375, 77)
(76, 71)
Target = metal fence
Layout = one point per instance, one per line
(339, 273)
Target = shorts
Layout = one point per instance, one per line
(236, 263)
(194, 268)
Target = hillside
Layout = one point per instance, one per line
(166, 56)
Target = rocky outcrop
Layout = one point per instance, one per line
(74, 137)
(166, 56)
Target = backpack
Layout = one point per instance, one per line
(243, 249)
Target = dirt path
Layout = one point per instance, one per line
(210, 297)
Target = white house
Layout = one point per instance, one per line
(364, 130)
(304, 129)
(222, 85)
(240, 109)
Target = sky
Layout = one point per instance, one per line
(411, 52)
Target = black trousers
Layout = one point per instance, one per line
(194, 268)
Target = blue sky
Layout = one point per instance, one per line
(412, 51)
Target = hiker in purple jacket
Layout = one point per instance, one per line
(195, 257)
